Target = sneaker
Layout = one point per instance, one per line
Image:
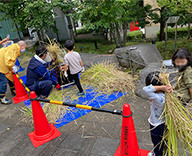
(80, 94)
(5, 101)
(151, 154)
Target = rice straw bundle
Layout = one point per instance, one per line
(108, 79)
(179, 124)
(54, 49)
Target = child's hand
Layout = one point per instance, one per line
(168, 88)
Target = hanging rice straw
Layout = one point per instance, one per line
(178, 120)
(55, 51)
(53, 48)
(108, 79)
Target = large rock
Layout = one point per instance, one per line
(139, 55)
(150, 68)
(92, 59)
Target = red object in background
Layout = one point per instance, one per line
(44, 132)
(134, 26)
(21, 94)
(129, 144)
(131, 27)
(137, 28)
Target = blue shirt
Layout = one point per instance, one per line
(157, 105)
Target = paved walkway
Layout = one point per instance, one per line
(95, 134)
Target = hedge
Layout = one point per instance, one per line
(134, 35)
(83, 30)
(181, 33)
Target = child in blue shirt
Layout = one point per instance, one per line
(155, 92)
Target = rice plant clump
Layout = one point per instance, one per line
(108, 79)
(178, 120)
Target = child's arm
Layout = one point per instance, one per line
(164, 88)
(150, 90)
(66, 67)
(83, 69)
(81, 63)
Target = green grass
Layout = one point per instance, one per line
(30, 52)
(181, 43)
(104, 48)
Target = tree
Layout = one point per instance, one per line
(170, 8)
(11, 11)
(30, 14)
(183, 9)
(112, 15)
(68, 9)
(38, 15)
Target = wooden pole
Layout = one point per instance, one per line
(175, 36)
(166, 38)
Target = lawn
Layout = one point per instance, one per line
(104, 48)
(181, 43)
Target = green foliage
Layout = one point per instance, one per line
(134, 35)
(181, 43)
(83, 30)
(112, 14)
(40, 14)
(181, 33)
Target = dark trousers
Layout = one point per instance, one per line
(3, 85)
(11, 86)
(42, 88)
(77, 82)
(156, 137)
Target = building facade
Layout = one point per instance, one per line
(8, 28)
(151, 29)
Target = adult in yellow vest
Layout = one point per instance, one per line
(8, 57)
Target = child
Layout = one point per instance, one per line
(155, 92)
(74, 63)
(182, 60)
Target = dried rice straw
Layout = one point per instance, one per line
(108, 79)
(178, 123)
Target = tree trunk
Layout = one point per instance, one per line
(39, 36)
(113, 34)
(70, 28)
(17, 30)
(162, 25)
(106, 35)
(118, 34)
(125, 25)
(103, 35)
(111, 37)
(75, 30)
(189, 23)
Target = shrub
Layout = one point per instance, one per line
(83, 30)
(181, 33)
(88, 40)
(134, 35)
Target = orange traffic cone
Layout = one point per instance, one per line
(21, 94)
(128, 144)
(44, 132)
